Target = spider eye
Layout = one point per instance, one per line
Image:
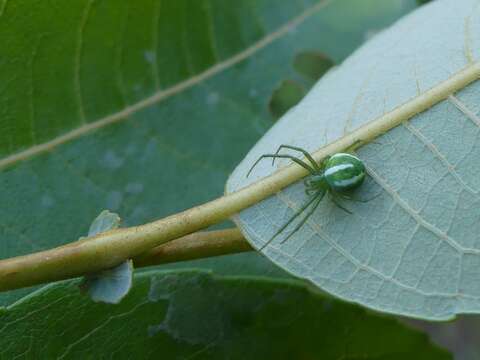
(344, 172)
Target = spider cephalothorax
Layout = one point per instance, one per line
(337, 175)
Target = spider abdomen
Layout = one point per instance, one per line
(344, 172)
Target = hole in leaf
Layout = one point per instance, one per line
(312, 64)
(287, 95)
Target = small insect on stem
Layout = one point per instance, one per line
(337, 175)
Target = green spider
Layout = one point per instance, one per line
(338, 175)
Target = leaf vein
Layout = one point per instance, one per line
(464, 109)
(157, 96)
(78, 60)
(99, 327)
(3, 7)
(156, 20)
(119, 55)
(434, 150)
(416, 216)
(211, 29)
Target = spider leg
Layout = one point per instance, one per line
(353, 198)
(303, 151)
(324, 161)
(335, 201)
(293, 158)
(284, 226)
(319, 198)
(309, 189)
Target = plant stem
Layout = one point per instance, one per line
(111, 248)
(194, 246)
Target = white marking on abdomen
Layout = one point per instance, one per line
(336, 168)
(348, 182)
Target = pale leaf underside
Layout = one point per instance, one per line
(414, 249)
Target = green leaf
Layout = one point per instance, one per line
(287, 95)
(195, 314)
(105, 221)
(130, 106)
(414, 249)
(312, 64)
(111, 285)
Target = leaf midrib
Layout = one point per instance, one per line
(164, 94)
(405, 111)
